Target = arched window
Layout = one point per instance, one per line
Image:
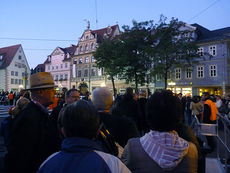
(86, 47)
(92, 46)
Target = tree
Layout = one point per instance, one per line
(135, 44)
(173, 47)
(108, 56)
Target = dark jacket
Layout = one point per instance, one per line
(27, 148)
(121, 128)
(84, 156)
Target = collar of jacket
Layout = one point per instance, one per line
(77, 144)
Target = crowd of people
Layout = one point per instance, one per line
(128, 134)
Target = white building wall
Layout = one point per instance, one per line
(19, 66)
(2, 80)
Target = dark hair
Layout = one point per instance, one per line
(163, 111)
(80, 119)
(67, 93)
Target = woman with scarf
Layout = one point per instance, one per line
(161, 149)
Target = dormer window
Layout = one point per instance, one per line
(109, 30)
(1, 57)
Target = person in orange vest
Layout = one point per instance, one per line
(209, 116)
(11, 97)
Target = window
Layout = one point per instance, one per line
(92, 59)
(188, 73)
(213, 71)
(200, 71)
(23, 74)
(86, 73)
(19, 57)
(48, 67)
(66, 65)
(52, 67)
(16, 64)
(16, 73)
(56, 78)
(20, 81)
(200, 51)
(79, 73)
(86, 59)
(177, 73)
(56, 67)
(12, 73)
(61, 76)
(80, 61)
(93, 72)
(87, 37)
(12, 81)
(92, 46)
(86, 47)
(212, 50)
(61, 65)
(16, 81)
(81, 49)
(99, 72)
(1, 57)
(66, 76)
(19, 65)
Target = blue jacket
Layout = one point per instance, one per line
(84, 156)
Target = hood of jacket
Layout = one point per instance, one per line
(167, 149)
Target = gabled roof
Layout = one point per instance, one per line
(205, 35)
(104, 31)
(8, 54)
(66, 50)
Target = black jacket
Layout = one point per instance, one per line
(121, 128)
(27, 148)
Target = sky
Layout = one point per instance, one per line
(60, 23)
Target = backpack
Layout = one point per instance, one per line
(107, 140)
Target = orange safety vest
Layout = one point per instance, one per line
(10, 96)
(213, 108)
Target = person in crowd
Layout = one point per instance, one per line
(209, 116)
(218, 102)
(196, 107)
(188, 112)
(161, 149)
(130, 108)
(31, 139)
(7, 122)
(71, 96)
(183, 102)
(121, 128)
(11, 97)
(142, 102)
(80, 153)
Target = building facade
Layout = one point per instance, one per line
(84, 70)
(14, 69)
(211, 74)
(59, 65)
(38, 68)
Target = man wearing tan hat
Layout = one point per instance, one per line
(29, 145)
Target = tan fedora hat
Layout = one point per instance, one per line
(41, 80)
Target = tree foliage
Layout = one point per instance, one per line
(174, 46)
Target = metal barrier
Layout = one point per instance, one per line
(220, 130)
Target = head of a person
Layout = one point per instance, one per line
(20, 104)
(42, 88)
(163, 111)
(71, 96)
(179, 96)
(129, 91)
(218, 97)
(79, 119)
(102, 98)
(205, 95)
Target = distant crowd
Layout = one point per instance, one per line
(131, 133)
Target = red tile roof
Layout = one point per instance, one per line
(101, 32)
(8, 55)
